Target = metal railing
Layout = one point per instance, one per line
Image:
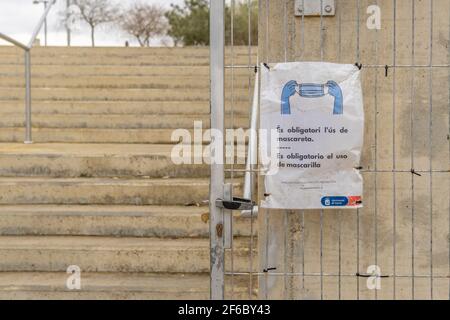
(27, 50)
(252, 153)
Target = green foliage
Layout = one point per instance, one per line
(241, 23)
(189, 24)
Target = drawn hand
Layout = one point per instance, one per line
(288, 92)
(335, 90)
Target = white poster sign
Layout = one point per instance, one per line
(317, 110)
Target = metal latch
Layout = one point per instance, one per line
(236, 204)
(314, 8)
(230, 204)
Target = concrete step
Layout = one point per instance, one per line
(182, 59)
(123, 121)
(131, 82)
(117, 221)
(117, 286)
(104, 191)
(119, 107)
(125, 51)
(97, 136)
(119, 70)
(106, 254)
(93, 94)
(90, 135)
(91, 160)
(89, 52)
(87, 135)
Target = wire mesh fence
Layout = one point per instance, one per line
(397, 246)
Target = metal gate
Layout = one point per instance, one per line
(397, 246)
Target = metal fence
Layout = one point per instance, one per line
(400, 239)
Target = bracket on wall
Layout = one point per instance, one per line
(310, 8)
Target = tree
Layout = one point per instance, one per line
(241, 16)
(144, 21)
(95, 13)
(189, 24)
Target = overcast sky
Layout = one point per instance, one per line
(19, 17)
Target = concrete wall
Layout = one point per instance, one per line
(405, 222)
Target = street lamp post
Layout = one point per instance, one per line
(45, 2)
(67, 22)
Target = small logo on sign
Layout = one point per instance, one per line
(334, 201)
(341, 201)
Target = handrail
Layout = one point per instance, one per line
(252, 154)
(13, 41)
(27, 50)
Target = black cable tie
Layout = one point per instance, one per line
(269, 269)
(359, 168)
(359, 65)
(360, 275)
(256, 69)
(414, 172)
(266, 65)
(387, 70)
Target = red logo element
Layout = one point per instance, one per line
(354, 201)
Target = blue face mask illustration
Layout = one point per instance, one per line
(310, 90)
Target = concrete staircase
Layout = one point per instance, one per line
(98, 188)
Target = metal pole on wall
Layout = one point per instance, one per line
(217, 51)
(28, 136)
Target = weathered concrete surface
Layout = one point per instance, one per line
(135, 121)
(112, 254)
(161, 81)
(122, 56)
(405, 221)
(95, 94)
(104, 191)
(120, 107)
(127, 221)
(98, 189)
(98, 87)
(115, 286)
(89, 135)
(78, 160)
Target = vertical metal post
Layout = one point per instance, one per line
(430, 137)
(228, 219)
(358, 216)
(28, 137)
(394, 154)
(413, 149)
(69, 36)
(217, 47)
(448, 58)
(45, 23)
